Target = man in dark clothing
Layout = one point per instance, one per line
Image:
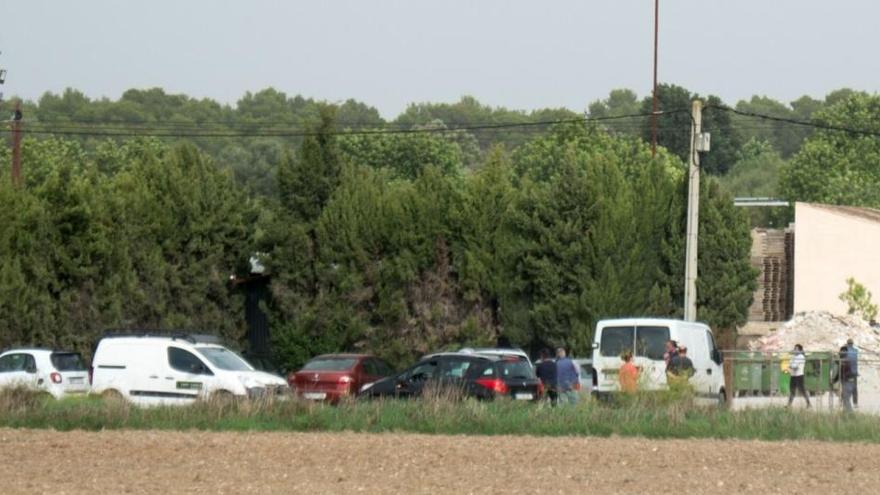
(546, 372)
(681, 365)
(847, 379)
(852, 355)
(567, 378)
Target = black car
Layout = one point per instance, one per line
(480, 376)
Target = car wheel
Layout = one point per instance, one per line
(222, 398)
(111, 395)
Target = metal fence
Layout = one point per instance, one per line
(765, 373)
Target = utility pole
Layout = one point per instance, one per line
(654, 93)
(16, 145)
(699, 142)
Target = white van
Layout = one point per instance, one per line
(175, 370)
(646, 339)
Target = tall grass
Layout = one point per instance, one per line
(648, 415)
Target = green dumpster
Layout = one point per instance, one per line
(747, 372)
(817, 372)
(771, 375)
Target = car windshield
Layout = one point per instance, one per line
(517, 369)
(224, 359)
(615, 340)
(67, 361)
(330, 364)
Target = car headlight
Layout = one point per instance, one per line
(256, 392)
(366, 386)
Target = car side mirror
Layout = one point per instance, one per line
(198, 369)
(717, 356)
(30, 369)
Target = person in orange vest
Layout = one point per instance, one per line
(628, 374)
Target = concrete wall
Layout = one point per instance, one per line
(831, 244)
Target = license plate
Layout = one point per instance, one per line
(523, 396)
(315, 395)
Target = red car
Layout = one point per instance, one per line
(330, 377)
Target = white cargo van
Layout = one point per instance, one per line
(646, 339)
(178, 369)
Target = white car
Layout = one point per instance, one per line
(497, 351)
(57, 373)
(150, 370)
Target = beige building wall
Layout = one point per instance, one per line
(831, 244)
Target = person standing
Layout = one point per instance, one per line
(796, 366)
(628, 374)
(847, 380)
(546, 372)
(852, 355)
(567, 378)
(681, 365)
(671, 352)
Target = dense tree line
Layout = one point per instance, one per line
(394, 244)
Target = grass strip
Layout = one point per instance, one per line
(641, 416)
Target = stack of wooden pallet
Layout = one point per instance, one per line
(769, 257)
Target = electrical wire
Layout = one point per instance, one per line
(104, 131)
(803, 123)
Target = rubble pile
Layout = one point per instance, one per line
(821, 331)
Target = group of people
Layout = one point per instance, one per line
(561, 377)
(847, 374)
(678, 367)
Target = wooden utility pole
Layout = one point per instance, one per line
(693, 212)
(16, 145)
(654, 93)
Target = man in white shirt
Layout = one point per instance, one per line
(796, 370)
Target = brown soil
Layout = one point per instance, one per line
(34, 461)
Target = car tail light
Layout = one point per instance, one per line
(55, 377)
(496, 385)
(344, 382)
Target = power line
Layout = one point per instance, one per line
(98, 131)
(804, 123)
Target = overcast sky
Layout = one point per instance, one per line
(516, 53)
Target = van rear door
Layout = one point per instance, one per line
(650, 347)
(613, 341)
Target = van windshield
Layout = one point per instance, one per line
(615, 340)
(224, 359)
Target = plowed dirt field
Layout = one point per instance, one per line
(111, 462)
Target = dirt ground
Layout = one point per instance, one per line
(34, 461)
